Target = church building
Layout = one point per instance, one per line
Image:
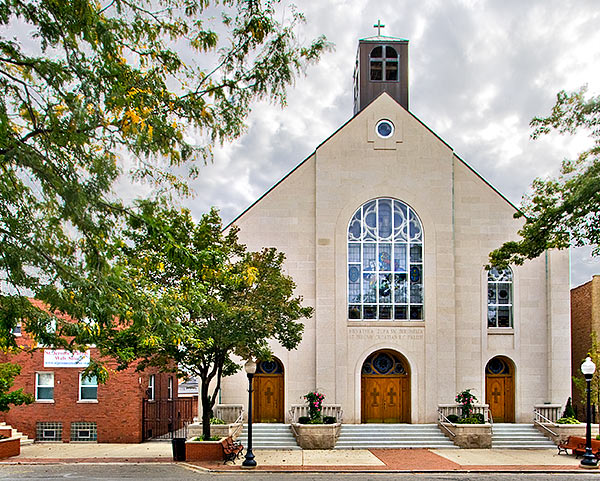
(387, 233)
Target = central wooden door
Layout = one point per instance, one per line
(385, 389)
(267, 398)
(500, 390)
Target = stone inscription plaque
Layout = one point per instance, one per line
(385, 334)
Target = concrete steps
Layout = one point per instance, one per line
(365, 436)
(24, 439)
(519, 436)
(269, 436)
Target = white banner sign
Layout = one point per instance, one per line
(64, 358)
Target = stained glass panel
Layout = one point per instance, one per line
(385, 288)
(400, 257)
(354, 230)
(385, 257)
(369, 288)
(369, 257)
(353, 252)
(385, 219)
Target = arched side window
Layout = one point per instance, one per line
(500, 298)
(384, 64)
(385, 262)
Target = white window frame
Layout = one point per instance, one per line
(510, 304)
(17, 330)
(82, 385)
(170, 388)
(38, 385)
(151, 387)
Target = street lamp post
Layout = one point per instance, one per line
(249, 462)
(589, 460)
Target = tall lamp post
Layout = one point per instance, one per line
(249, 462)
(589, 460)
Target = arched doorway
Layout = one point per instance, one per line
(268, 392)
(385, 388)
(500, 389)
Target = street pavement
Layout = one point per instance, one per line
(308, 461)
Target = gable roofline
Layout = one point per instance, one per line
(267, 192)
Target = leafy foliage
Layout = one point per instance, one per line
(466, 400)
(579, 380)
(567, 420)
(95, 90)
(566, 210)
(207, 299)
(8, 372)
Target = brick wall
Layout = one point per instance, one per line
(585, 316)
(117, 411)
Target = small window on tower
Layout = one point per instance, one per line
(384, 67)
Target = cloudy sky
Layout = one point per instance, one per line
(479, 71)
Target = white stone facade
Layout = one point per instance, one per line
(306, 216)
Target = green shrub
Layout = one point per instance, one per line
(471, 420)
(569, 412)
(329, 420)
(567, 420)
(211, 438)
(217, 421)
(480, 417)
(453, 418)
(303, 419)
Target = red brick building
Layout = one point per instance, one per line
(585, 318)
(69, 407)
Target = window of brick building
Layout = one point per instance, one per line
(48, 431)
(44, 386)
(88, 388)
(84, 431)
(151, 380)
(170, 388)
(17, 329)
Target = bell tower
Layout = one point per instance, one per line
(381, 66)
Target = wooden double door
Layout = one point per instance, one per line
(500, 395)
(267, 399)
(385, 399)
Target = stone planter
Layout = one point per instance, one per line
(316, 436)
(10, 447)
(563, 431)
(203, 450)
(473, 436)
(232, 430)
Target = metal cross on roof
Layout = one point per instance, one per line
(378, 26)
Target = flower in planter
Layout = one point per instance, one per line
(315, 405)
(466, 400)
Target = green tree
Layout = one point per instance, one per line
(8, 372)
(566, 210)
(207, 299)
(95, 90)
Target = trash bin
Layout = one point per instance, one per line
(178, 449)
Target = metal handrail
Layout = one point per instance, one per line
(442, 419)
(536, 421)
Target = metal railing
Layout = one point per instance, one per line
(298, 410)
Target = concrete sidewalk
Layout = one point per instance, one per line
(303, 460)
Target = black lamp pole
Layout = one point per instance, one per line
(249, 462)
(589, 460)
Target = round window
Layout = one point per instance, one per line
(384, 129)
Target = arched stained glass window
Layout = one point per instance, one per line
(385, 262)
(500, 299)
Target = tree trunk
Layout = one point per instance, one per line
(207, 409)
